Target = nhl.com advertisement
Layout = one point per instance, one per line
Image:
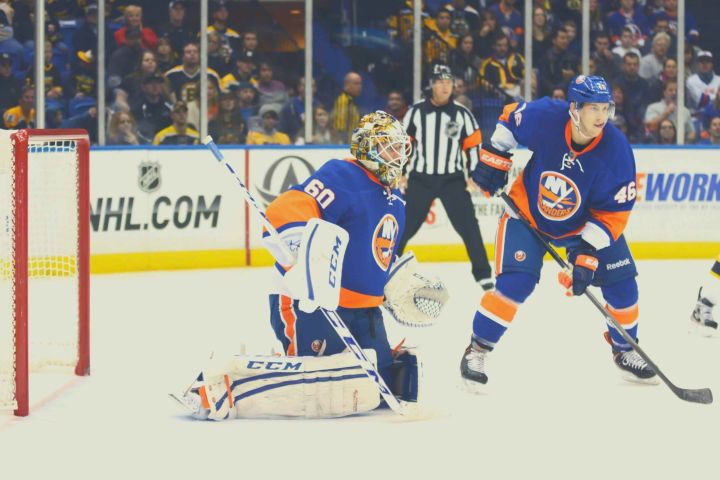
(182, 200)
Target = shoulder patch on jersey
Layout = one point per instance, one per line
(558, 196)
(384, 239)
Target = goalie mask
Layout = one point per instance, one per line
(381, 145)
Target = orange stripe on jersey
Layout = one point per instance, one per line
(288, 317)
(500, 243)
(568, 140)
(624, 316)
(369, 174)
(613, 221)
(500, 306)
(509, 108)
(292, 206)
(351, 299)
(473, 140)
(520, 197)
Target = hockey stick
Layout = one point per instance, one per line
(701, 395)
(332, 317)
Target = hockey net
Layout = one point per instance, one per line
(44, 258)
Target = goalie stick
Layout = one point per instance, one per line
(701, 395)
(332, 317)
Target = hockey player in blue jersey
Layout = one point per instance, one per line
(357, 201)
(577, 190)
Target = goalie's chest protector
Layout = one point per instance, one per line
(351, 197)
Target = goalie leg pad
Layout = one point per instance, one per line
(406, 375)
(310, 387)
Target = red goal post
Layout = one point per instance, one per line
(44, 258)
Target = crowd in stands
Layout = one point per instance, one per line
(153, 69)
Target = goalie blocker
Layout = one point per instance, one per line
(307, 387)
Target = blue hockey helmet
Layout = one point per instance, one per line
(592, 89)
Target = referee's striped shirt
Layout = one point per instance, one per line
(441, 135)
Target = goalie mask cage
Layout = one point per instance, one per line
(44, 258)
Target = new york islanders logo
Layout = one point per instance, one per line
(383, 241)
(558, 196)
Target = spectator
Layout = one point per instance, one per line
(620, 123)
(440, 40)
(86, 120)
(271, 91)
(464, 18)
(133, 19)
(627, 14)
(651, 65)
(165, 55)
(250, 45)
(152, 110)
(176, 30)
(574, 43)
(400, 24)
(669, 72)
(619, 100)
(246, 95)
(85, 37)
(598, 20)
(505, 69)
(228, 126)
(712, 136)
(627, 43)
(22, 115)
(669, 13)
(606, 62)
(558, 93)
(558, 66)
(711, 111)
(702, 87)
(267, 134)
(220, 16)
(8, 43)
(636, 90)
(10, 87)
(464, 62)
(132, 84)
(691, 61)
(510, 21)
(53, 81)
(124, 59)
(459, 93)
(667, 109)
(243, 73)
(323, 133)
(540, 34)
(218, 54)
(122, 130)
(185, 80)
(179, 132)
(667, 134)
(84, 71)
(292, 115)
(345, 114)
(488, 31)
(396, 105)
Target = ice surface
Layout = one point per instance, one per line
(555, 405)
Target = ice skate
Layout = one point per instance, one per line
(701, 318)
(634, 368)
(472, 367)
(192, 403)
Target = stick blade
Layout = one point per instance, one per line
(700, 395)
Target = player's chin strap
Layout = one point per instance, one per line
(331, 316)
(575, 117)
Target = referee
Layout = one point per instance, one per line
(441, 130)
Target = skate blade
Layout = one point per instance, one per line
(186, 405)
(473, 387)
(629, 377)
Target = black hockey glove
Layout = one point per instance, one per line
(584, 261)
(491, 172)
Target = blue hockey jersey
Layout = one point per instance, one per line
(344, 193)
(564, 192)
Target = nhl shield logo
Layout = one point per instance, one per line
(149, 177)
(452, 129)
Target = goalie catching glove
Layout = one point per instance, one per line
(411, 298)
